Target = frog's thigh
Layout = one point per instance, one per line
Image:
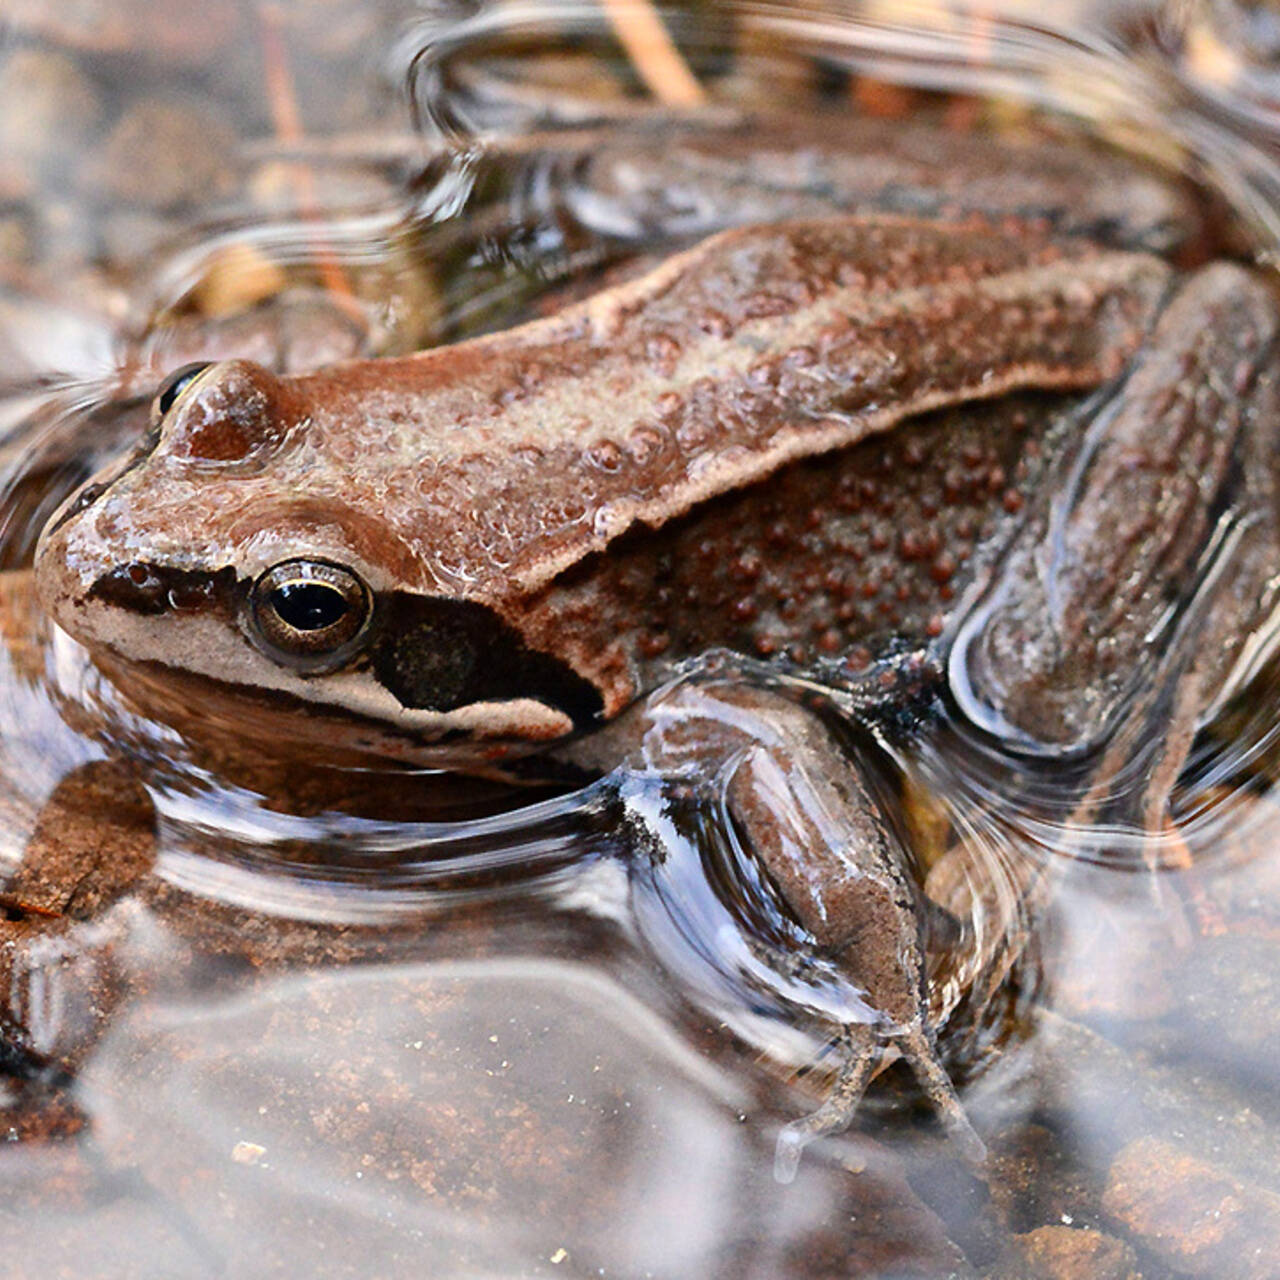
(1136, 587)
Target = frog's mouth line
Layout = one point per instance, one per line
(208, 712)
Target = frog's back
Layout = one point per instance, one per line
(498, 464)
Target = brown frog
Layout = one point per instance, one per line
(852, 443)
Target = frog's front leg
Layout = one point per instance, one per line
(802, 807)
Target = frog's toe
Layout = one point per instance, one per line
(920, 1052)
(834, 1115)
(837, 1112)
(786, 1154)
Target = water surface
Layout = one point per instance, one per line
(351, 1022)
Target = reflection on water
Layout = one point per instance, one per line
(268, 1015)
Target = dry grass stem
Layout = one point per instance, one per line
(653, 53)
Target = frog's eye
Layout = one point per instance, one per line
(173, 386)
(308, 614)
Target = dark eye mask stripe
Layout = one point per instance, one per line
(430, 654)
(152, 590)
(438, 655)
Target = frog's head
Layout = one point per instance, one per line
(249, 548)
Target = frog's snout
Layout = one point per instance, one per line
(55, 583)
(131, 539)
(84, 571)
(67, 562)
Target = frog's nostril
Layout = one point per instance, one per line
(81, 502)
(152, 590)
(135, 587)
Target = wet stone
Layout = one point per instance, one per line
(128, 236)
(37, 1114)
(1230, 993)
(1067, 1253)
(1107, 1098)
(60, 986)
(50, 109)
(162, 29)
(17, 243)
(504, 1118)
(333, 28)
(1198, 1218)
(1034, 1180)
(92, 843)
(120, 1237)
(1112, 951)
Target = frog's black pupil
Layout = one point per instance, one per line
(309, 606)
(177, 383)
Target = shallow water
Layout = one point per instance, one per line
(299, 1017)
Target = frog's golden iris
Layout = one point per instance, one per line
(309, 614)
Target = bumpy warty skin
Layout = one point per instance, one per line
(483, 472)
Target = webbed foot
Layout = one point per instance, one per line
(840, 1107)
(835, 1114)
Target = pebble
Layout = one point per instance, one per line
(1194, 1215)
(1067, 1253)
(165, 153)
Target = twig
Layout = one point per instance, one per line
(653, 53)
(282, 99)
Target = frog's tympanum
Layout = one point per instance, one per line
(946, 399)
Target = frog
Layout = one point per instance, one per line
(898, 421)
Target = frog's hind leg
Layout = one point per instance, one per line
(1138, 769)
(809, 815)
(1145, 575)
